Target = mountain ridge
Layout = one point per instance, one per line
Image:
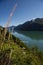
(32, 25)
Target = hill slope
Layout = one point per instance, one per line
(14, 52)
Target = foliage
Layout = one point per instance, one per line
(15, 52)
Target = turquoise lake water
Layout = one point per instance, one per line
(31, 38)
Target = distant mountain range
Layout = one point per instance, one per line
(32, 25)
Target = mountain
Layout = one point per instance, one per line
(33, 25)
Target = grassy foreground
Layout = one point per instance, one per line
(14, 52)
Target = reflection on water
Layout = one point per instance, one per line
(31, 38)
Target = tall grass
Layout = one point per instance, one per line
(9, 20)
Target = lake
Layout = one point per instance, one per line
(31, 38)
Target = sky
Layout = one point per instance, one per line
(26, 10)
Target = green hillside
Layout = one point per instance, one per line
(15, 52)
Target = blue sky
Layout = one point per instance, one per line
(25, 11)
